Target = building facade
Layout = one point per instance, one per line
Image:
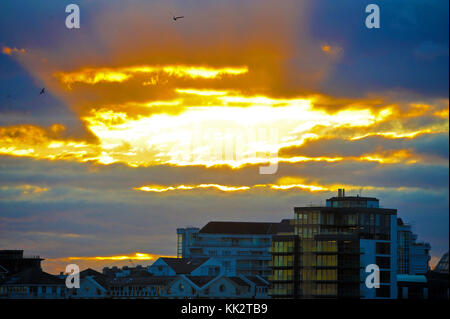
(327, 255)
(241, 247)
(412, 257)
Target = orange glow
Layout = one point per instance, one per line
(26, 189)
(394, 134)
(96, 75)
(441, 113)
(208, 127)
(224, 188)
(136, 256)
(160, 189)
(9, 51)
(286, 183)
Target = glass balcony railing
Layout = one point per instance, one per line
(286, 264)
(209, 243)
(284, 278)
(280, 292)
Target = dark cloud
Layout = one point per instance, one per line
(425, 144)
(389, 57)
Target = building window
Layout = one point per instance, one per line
(383, 248)
(180, 245)
(383, 262)
(181, 287)
(222, 288)
(385, 277)
(383, 291)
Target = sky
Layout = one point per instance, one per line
(239, 111)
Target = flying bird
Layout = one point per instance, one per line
(175, 18)
(42, 91)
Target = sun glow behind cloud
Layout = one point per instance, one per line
(224, 129)
(96, 75)
(218, 127)
(286, 183)
(136, 256)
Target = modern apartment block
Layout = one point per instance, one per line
(241, 247)
(413, 257)
(327, 254)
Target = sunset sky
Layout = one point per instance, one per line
(149, 124)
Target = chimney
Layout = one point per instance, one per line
(339, 192)
(343, 192)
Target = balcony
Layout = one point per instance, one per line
(289, 264)
(280, 292)
(281, 252)
(251, 267)
(220, 244)
(273, 278)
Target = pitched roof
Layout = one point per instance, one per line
(100, 278)
(126, 281)
(442, 265)
(200, 281)
(239, 281)
(90, 272)
(247, 228)
(34, 276)
(184, 265)
(257, 281)
(3, 270)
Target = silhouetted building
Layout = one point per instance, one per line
(331, 246)
(13, 261)
(432, 285)
(32, 283)
(442, 265)
(412, 257)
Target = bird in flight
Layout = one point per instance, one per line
(175, 18)
(42, 91)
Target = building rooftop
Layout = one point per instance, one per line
(352, 198)
(347, 209)
(184, 265)
(34, 276)
(239, 281)
(442, 266)
(257, 281)
(129, 281)
(246, 228)
(200, 281)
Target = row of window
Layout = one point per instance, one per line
(282, 261)
(317, 274)
(319, 289)
(283, 246)
(326, 218)
(310, 260)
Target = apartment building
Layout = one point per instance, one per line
(413, 257)
(327, 254)
(241, 247)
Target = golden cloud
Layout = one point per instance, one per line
(9, 51)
